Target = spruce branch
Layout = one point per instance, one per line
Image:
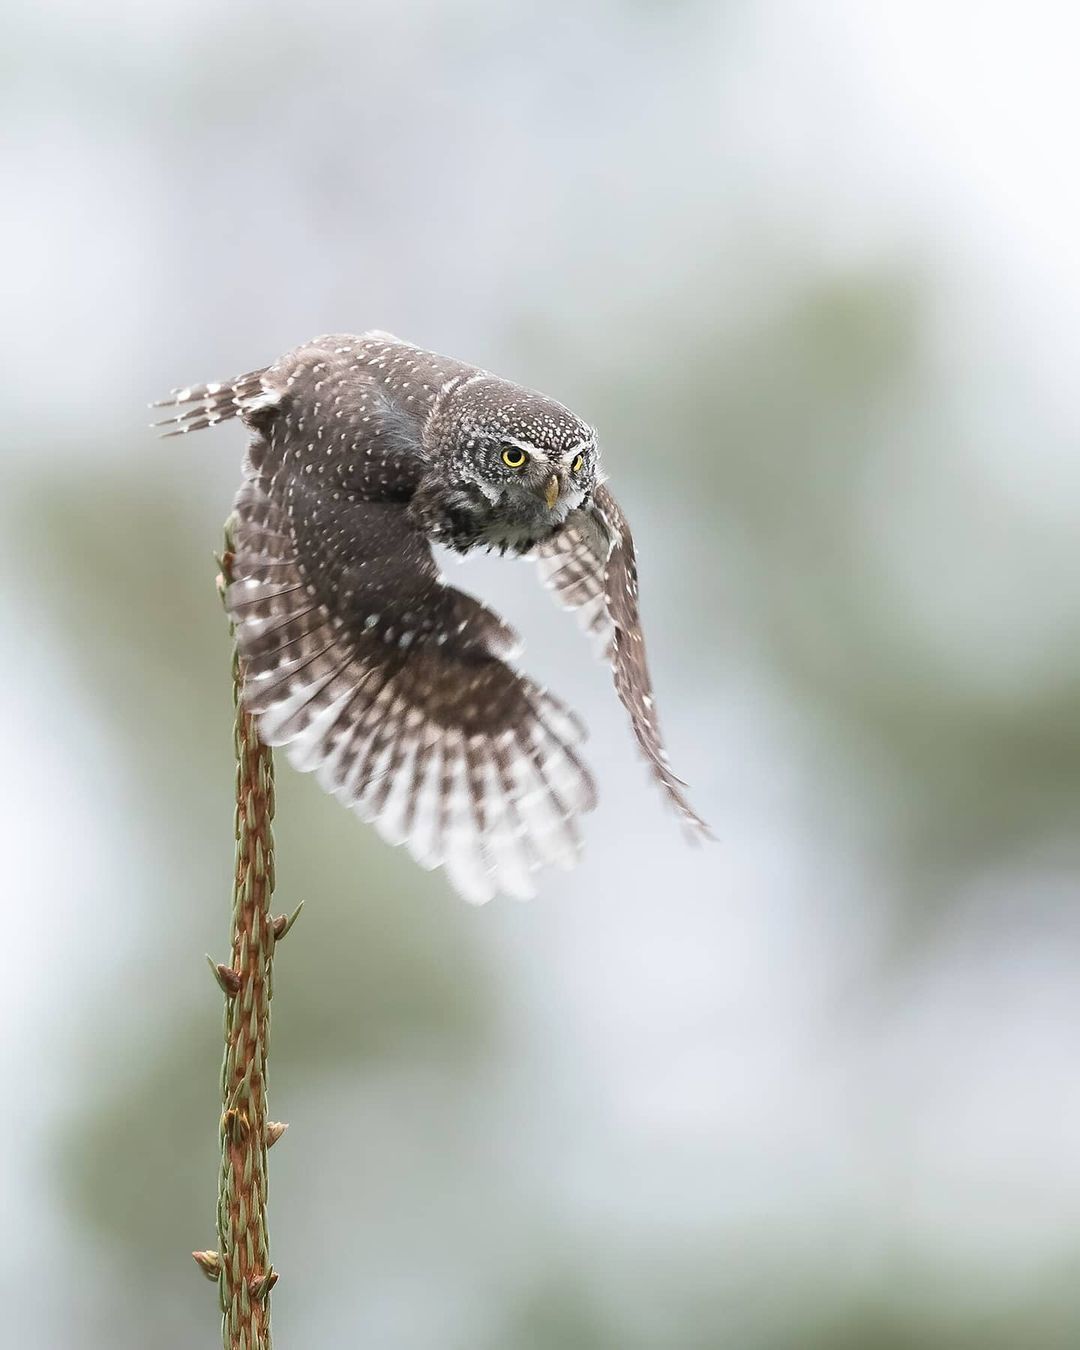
(241, 1265)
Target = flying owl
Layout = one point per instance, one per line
(394, 688)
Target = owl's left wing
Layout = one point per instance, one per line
(591, 567)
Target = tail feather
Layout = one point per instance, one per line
(204, 405)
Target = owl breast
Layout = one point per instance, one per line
(516, 527)
(465, 517)
(508, 537)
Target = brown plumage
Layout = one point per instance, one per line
(394, 688)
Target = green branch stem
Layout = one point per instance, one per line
(241, 1266)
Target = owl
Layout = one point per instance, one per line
(395, 689)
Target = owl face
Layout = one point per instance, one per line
(530, 481)
(518, 463)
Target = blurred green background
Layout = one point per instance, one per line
(812, 269)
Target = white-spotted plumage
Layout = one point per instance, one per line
(392, 687)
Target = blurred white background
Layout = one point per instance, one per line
(813, 270)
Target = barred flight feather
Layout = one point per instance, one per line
(204, 405)
(376, 726)
(590, 566)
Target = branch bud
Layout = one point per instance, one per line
(281, 924)
(274, 1130)
(209, 1263)
(227, 978)
(259, 1287)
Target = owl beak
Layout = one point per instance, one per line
(551, 490)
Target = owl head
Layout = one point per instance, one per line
(515, 461)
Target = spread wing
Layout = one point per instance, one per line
(393, 688)
(590, 566)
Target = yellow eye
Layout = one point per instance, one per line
(576, 466)
(514, 458)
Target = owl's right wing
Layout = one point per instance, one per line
(393, 688)
(591, 567)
